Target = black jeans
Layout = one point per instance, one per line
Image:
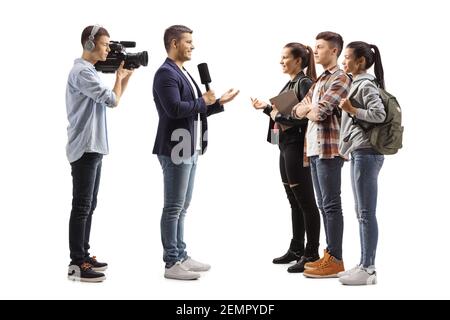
(305, 214)
(86, 173)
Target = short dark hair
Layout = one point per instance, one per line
(174, 32)
(334, 38)
(87, 32)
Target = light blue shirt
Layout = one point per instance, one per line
(86, 102)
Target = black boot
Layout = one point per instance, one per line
(300, 265)
(294, 253)
(288, 257)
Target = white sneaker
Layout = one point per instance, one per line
(178, 272)
(360, 277)
(192, 265)
(348, 272)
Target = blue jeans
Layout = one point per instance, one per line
(326, 175)
(178, 187)
(365, 166)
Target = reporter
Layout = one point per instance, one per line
(183, 111)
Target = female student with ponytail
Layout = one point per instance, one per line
(360, 111)
(290, 135)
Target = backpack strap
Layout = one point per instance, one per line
(366, 126)
(299, 86)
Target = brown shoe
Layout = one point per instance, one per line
(316, 264)
(329, 268)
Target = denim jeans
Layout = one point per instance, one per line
(86, 173)
(326, 175)
(365, 167)
(178, 187)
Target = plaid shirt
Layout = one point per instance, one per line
(334, 85)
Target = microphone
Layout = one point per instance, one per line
(205, 78)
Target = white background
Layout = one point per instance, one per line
(239, 218)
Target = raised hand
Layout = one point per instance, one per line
(228, 96)
(258, 104)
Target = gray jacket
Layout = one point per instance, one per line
(370, 109)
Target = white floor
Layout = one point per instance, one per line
(238, 238)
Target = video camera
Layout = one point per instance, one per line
(118, 54)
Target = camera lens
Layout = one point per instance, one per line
(143, 58)
(135, 60)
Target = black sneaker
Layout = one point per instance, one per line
(97, 266)
(84, 273)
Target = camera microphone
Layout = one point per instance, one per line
(128, 44)
(205, 78)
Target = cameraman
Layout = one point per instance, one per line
(86, 101)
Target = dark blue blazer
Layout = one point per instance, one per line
(178, 109)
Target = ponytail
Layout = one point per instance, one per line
(372, 55)
(311, 71)
(378, 66)
(305, 53)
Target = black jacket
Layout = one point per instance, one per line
(301, 85)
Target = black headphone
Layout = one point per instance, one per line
(90, 43)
